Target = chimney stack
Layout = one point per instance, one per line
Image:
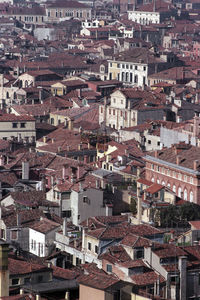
(139, 206)
(182, 265)
(196, 165)
(25, 170)
(65, 226)
(178, 159)
(4, 273)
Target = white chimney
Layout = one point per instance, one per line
(25, 170)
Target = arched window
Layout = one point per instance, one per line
(168, 185)
(158, 181)
(26, 83)
(191, 196)
(136, 79)
(174, 188)
(163, 183)
(179, 192)
(7, 95)
(185, 194)
(152, 179)
(122, 76)
(127, 77)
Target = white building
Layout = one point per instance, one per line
(14, 127)
(42, 236)
(144, 17)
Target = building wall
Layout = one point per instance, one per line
(7, 131)
(134, 74)
(143, 17)
(184, 184)
(30, 19)
(59, 14)
(37, 240)
(86, 293)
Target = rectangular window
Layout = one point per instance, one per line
(15, 281)
(89, 246)
(152, 167)
(113, 112)
(109, 268)
(13, 235)
(14, 125)
(27, 280)
(31, 244)
(191, 180)
(109, 111)
(96, 249)
(149, 142)
(2, 234)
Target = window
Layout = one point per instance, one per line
(39, 278)
(2, 233)
(152, 167)
(113, 112)
(96, 249)
(89, 246)
(32, 244)
(144, 68)
(85, 199)
(149, 142)
(109, 111)
(13, 235)
(14, 125)
(136, 79)
(174, 188)
(179, 191)
(22, 125)
(122, 101)
(135, 67)
(191, 196)
(191, 180)
(158, 143)
(179, 176)
(185, 178)
(109, 268)
(27, 280)
(15, 281)
(185, 194)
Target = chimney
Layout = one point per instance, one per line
(78, 172)
(53, 140)
(71, 124)
(64, 172)
(18, 219)
(139, 206)
(44, 139)
(85, 159)
(108, 211)
(4, 273)
(65, 226)
(156, 153)
(196, 125)
(83, 239)
(182, 265)
(25, 170)
(196, 165)
(178, 159)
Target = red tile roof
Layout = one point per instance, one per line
(14, 118)
(20, 267)
(44, 225)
